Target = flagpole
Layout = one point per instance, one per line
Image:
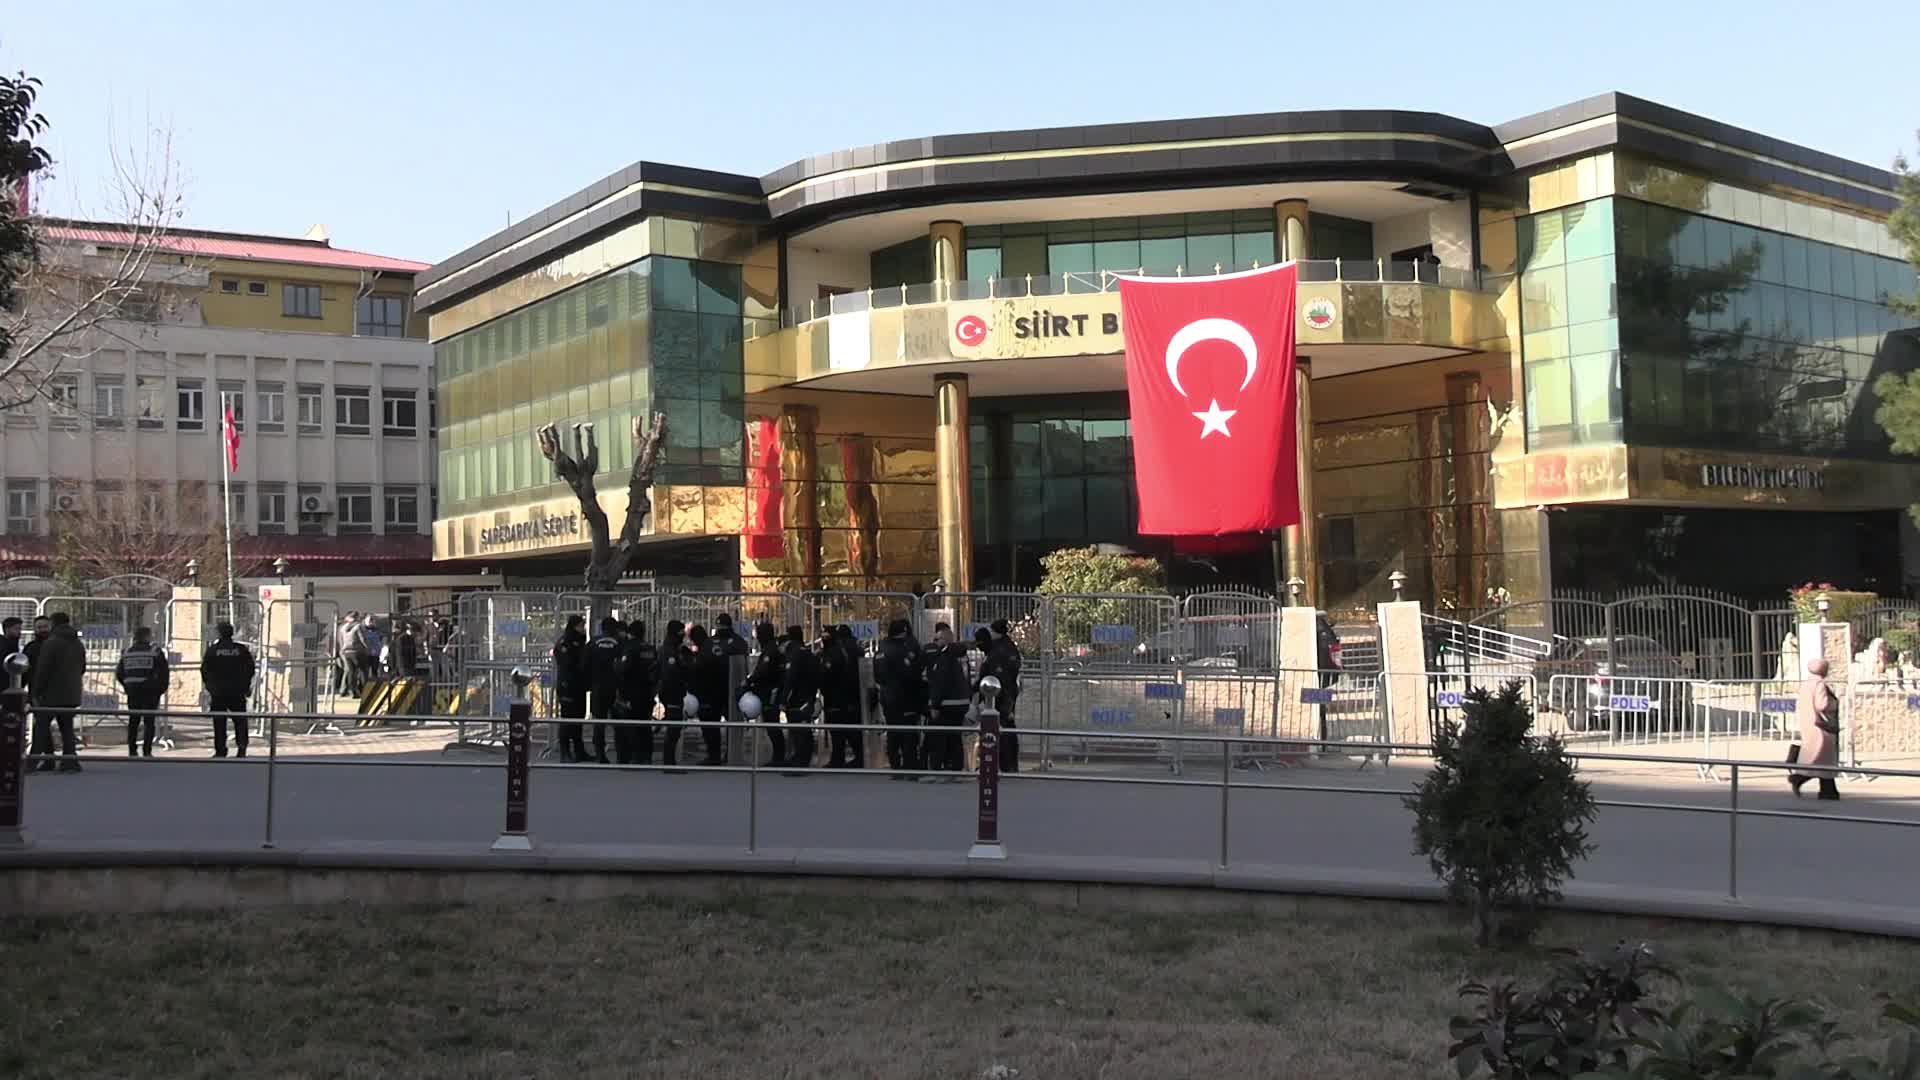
(226, 500)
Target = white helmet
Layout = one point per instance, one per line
(690, 704)
(750, 705)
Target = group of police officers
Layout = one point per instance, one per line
(621, 674)
(56, 674)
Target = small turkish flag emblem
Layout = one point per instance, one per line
(970, 330)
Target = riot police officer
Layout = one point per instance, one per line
(840, 689)
(896, 675)
(947, 693)
(142, 673)
(674, 681)
(570, 686)
(639, 661)
(798, 689)
(764, 682)
(1003, 662)
(710, 686)
(603, 678)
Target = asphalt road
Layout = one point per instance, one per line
(213, 807)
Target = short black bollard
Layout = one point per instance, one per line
(986, 837)
(13, 761)
(519, 765)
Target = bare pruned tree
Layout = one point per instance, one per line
(109, 539)
(89, 285)
(609, 558)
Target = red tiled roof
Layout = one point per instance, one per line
(238, 246)
(410, 548)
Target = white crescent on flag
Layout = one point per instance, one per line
(1200, 330)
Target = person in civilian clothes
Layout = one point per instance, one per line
(143, 675)
(1818, 712)
(1003, 663)
(570, 686)
(840, 689)
(603, 678)
(675, 678)
(226, 671)
(710, 686)
(10, 643)
(947, 695)
(41, 748)
(639, 667)
(798, 691)
(59, 671)
(764, 681)
(896, 676)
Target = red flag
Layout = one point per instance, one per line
(764, 537)
(230, 433)
(1210, 384)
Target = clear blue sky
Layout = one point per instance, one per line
(413, 128)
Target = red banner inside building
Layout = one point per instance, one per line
(765, 537)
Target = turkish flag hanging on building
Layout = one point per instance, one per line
(764, 536)
(1210, 384)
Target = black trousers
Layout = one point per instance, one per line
(943, 747)
(139, 720)
(713, 734)
(633, 743)
(220, 707)
(802, 742)
(43, 724)
(903, 746)
(670, 735)
(572, 746)
(603, 701)
(849, 748)
(1009, 741)
(776, 738)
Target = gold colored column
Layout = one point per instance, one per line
(1291, 231)
(953, 478)
(949, 240)
(1469, 423)
(802, 424)
(1301, 542)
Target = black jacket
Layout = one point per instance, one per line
(896, 673)
(59, 669)
(638, 671)
(769, 674)
(676, 674)
(570, 667)
(840, 675)
(728, 643)
(1003, 663)
(802, 682)
(143, 673)
(603, 655)
(406, 655)
(710, 681)
(946, 675)
(226, 670)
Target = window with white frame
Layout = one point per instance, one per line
(312, 407)
(399, 412)
(273, 406)
(109, 401)
(355, 506)
(150, 400)
(352, 410)
(273, 508)
(233, 395)
(153, 502)
(403, 509)
(190, 404)
(23, 506)
(63, 397)
(237, 501)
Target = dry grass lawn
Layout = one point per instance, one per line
(766, 985)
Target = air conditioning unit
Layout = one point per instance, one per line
(312, 504)
(66, 502)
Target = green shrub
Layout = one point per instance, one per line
(1843, 605)
(1082, 571)
(1501, 817)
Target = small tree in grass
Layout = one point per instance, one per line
(1501, 818)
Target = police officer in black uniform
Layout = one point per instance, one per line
(896, 676)
(947, 693)
(639, 663)
(570, 686)
(798, 689)
(710, 686)
(603, 678)
(840, 689)
(1003, 663)
(764, 682)
(226, 671)
(142, 673)
(675, 679)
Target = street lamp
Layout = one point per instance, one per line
(1294, 587)
(1821, 604)
(193, 570)
(1398, 580)
(280, 569)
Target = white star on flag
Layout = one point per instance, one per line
(1215, 419)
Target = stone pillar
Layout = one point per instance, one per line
(949, 241)
(1403, 666)
(1292, 234)
(1299, 655)
(953, 478)
(802, 424)
(1300, 543)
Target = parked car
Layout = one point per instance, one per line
(1594, 673)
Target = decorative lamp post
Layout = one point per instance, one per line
(193, 570)
(1821, 604)
(1398, 580)
(280, 569)
(1294, 587)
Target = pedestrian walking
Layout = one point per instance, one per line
(226, 673)
(1818, 712)
(674, 682)
(947, 698)
(840, 691)
(764, 682)
(58, 671)
(799, 689)
(570, 686)
(639, 667)
(1003, 662)
(896, 677)
(603, 678)
(144, 677)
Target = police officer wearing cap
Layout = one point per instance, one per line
(226, 671)
(570, 686)
(798, 688)
(840, 690)
(947, 695)
(639, 667)
(674, 682)
(142, 673)
(1003, 662)
(603, 678)
(764, 682)
(896, 675)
